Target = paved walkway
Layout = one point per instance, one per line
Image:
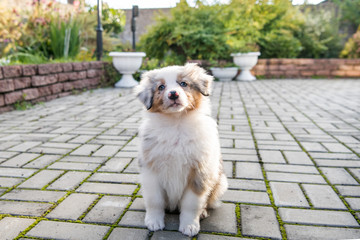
(291, 150)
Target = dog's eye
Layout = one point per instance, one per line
(183, 84)
(161, 87)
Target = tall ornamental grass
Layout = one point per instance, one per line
(65, 38)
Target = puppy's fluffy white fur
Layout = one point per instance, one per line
(179, 157)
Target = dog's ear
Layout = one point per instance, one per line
(201, 81)
(144, 91)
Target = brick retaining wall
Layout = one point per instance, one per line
(44, 82)
(307, 68)
(35, 83)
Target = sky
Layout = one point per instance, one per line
(127, 4)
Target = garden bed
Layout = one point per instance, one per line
(44, 82)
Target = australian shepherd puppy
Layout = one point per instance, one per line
(179, 157)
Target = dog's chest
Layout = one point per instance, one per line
(171, 147)
(171, 153)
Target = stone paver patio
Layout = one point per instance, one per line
(291, 150)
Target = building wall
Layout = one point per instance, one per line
(146, 19)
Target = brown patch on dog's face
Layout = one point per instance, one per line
(198, 78)
(158, 96)
(193, 95)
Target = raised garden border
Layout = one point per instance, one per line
(307, 68)
(44, 82)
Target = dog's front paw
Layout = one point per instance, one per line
(190, 229)
(154, 222)
(204, 214)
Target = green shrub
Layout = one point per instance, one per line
(38, 32)
(27, 55)
(261, 22)
(319, 35)
(190, 33)
(279, 44)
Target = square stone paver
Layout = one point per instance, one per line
(252, 217)
(10, 227)
(323, 196)
(73, 206)
(33, 195)
(65, 230)
(222, 219)
(288, 194)
(311, 232)
(41, 179)
(107, 210)
(107, 188)
(318, 217)
(69, 180)
(23, 208)
(129, 234)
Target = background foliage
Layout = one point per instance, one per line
(275, 27)
(319, 34)
(190, 33)
(46, 30)
(352, 47)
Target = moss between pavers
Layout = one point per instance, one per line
(55, 179)
(127, 165)
(353, 175)
(219, 105)
(41, 154)
(22, 234)
(92, 205)
(306, 196)
(284, 156)
(238, 218)
(233, 169)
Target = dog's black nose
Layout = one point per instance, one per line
(173, 95)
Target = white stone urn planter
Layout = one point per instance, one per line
(246, 61)
(127, 63)
(225, 74)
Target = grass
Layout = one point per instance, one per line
(23, 105)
